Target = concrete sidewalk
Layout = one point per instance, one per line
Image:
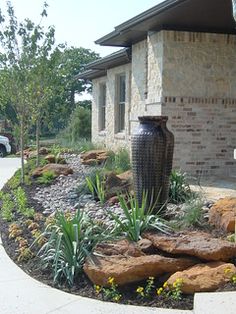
(21, 294)
(8, 167)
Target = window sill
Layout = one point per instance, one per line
(102, 133)
(120, 136)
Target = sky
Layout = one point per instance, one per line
(80, 23)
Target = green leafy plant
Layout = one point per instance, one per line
(7, 207)
(111, 292)
(70, 239)
(179, 190)
(97, 188)
(46, 178)
(193, 213)
(22, 203)
(137, 219)
(145, 292)
(118, 162)
(172, 291)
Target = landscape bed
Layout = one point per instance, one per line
(31, 220)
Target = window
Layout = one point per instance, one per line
(121, 95)
(102, 107)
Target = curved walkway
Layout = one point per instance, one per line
(21, 294)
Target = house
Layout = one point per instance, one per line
(177, 59)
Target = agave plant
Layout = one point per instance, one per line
(137, 219)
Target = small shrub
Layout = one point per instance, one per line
(179, 190)
(137, 219)
(46, 178)
(7, 207)
(193, 213)
(118, 162)
(22, 203)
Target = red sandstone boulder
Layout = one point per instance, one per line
(223, 214)
(57, 169)
(118, 184)
(204, 277)
(94, 157)
(50, 159)
(122, 247)
(198, 244)
(132, 269)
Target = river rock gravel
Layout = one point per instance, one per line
(63, 195)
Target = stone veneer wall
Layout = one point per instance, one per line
(109, 138)
(191, 77)
(199, 96)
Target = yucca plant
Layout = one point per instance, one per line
(97, 188)
(137, 219)
(179, 191)
(71, 238)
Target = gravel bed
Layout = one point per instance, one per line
(62, 194)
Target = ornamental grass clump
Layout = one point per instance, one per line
(136, 219)
(70, 239)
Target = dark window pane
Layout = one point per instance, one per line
(102, 107)
(122, 89)
(122, 116)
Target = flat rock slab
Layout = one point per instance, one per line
(132, 269)
(57, 169)
(198, 244)
(223, 214)
(204, 277)
(121, 247)
(92, 157)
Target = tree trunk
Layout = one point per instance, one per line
(37, 141)
(22, 150)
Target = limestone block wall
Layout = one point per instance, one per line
(199, 96)
(146, 82)
(109, 138)
(190, 77)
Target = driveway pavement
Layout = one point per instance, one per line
(21, 294)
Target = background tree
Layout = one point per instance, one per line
(20, 44)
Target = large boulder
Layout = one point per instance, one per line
(204, 277)
(198, 244)
(222, 214)
(94, 157)
(126, 269)
(57, 169)
(52, 159)
(118, 184)
(121, 247)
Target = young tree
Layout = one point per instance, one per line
(23, 45)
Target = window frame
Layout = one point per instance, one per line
(102, 106)
(120, 103)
